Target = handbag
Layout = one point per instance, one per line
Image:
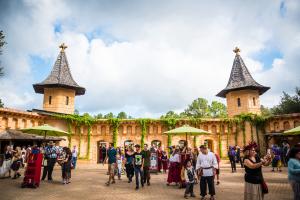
(264, 187)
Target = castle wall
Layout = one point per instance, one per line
(130, 130)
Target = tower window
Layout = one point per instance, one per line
(239, 102)
(50, 100)
(67, 100)
(254, 102)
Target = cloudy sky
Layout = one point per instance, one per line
(148, 57)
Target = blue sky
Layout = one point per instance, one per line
(147, 58)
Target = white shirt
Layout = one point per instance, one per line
(206, 161)
(175, 158)
(74, 153)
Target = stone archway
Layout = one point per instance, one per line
(101, 150)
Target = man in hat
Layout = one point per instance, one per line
(206, 166)
(51, 156)
(147, 154)
(138, 161)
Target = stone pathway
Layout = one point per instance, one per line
(88, 183)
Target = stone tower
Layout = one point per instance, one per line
(242, 91)
(59, 88)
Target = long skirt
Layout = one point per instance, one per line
(253, 192)
(174, 173)
(5, 167)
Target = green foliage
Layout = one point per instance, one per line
(2, 42)
(114, 123)
(76, 112)
(109, 116)
(217, 109)
(78, 121)
(144, 123)
(288, 104)
(98, 116)
(122, 115)
(1, 104)
(265, 111)
(170, 123)
(198, 108)
(170, 114)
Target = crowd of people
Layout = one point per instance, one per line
(17, 158)
(185, 167)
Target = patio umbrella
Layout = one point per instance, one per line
(293, 131)
(186, 130)
(45, 130)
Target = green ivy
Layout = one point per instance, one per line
(144, 123)
(220, 140)
(70, 134)
(114, 123)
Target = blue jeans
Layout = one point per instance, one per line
(74, 161)
(138, 174)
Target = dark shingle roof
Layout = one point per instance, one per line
(60, 77)
(240, 78)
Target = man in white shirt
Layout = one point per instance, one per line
(74, 156)
(206, 168)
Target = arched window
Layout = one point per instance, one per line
(155, 129)
(238, 102)
(296, 123)
(213, 129)
(138, 130)
(205, 127)
(24, 123)
(129, 130)
(286, 125)
(15, 123)
(121, 129)
(103, 130)
(276, 126)
(4, 122)
(254, 101)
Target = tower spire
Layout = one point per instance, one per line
(63, 47)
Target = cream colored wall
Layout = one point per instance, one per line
(58, 102)
(247, 106)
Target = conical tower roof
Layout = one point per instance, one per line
(240, 78)
(60, 76)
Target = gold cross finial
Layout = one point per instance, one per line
(63, 47)
(236, 50)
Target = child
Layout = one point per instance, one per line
(164, 160)
(119, 164)
(190, 177)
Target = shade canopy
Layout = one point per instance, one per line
(13, 135)
(293, 131)
(45, 130)
(186, 129)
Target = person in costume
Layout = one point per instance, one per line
(165, 161)
(232, 156)
(129, 163)
(206, 168)
(276, 158)
(159, 161)
(174, 168)
(255, 186)
(189, 178)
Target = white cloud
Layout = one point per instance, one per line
(161, 57)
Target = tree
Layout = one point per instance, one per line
(122, 115)
(98, 116)
(76, 112)
(170, 114)
(109, 115)
(1, 104)
(198, 108)
(217, 109)
(288, 104)
(265, 111)
(2, 42)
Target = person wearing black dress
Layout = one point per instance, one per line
(129, 164)
(66, 166)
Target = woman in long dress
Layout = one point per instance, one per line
(254, 181)
(7, 161)
(174, 169)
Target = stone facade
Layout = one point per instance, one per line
(242, 101)
(130, 130)
(59, 100)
